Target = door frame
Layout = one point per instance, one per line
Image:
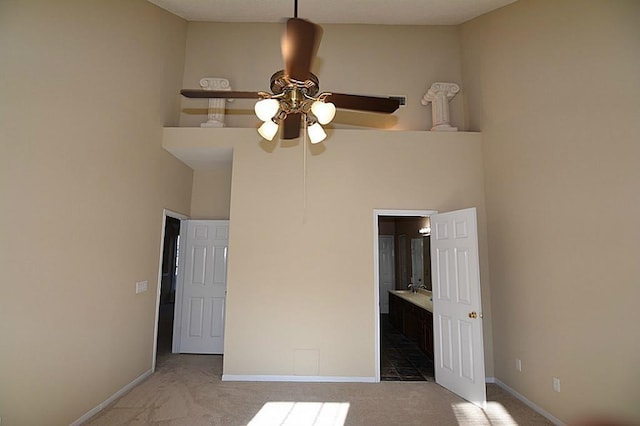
(165, 213)
(376, 273)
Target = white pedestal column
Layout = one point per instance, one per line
(217, 106)
(439, 95)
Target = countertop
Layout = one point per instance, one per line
(422, 298)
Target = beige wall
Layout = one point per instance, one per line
(85, 90)
(361, 59)
(553, 86)
(301, 271)
(211, 193)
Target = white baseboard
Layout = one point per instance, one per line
(112, 398)
(270, 378)
(535, 407)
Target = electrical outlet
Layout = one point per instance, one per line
(556, 384)
(142, 286)
(518, 364)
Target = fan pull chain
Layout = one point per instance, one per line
(304, 175)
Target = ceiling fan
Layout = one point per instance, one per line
(294, 91)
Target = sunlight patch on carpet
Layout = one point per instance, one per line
(301, 414)
(495, 414)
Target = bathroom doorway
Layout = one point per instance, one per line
(401, 357)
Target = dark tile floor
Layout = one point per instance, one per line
(165, 329)
(400, 358)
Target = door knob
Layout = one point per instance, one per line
(473, 315)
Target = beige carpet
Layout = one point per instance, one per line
(187, 390)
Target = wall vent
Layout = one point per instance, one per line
(401, 98)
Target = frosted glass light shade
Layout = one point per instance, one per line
(316, 133)
(324, 111)
(268, 130)
(266, 109)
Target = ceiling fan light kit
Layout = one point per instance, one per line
(316, 133)
(324, 111)
(293, 98)
(266, 109)
(268, 130)
(294, 95)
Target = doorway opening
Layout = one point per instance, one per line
(402, 264)
(167, 281)
(166, 309)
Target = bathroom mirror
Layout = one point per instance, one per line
(417, 262)
(412, 245)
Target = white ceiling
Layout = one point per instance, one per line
(391, 12)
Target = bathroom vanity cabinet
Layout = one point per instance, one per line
(409, 313)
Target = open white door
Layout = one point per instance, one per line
(201, 295)
(457, 314)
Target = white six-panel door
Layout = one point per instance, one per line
(457, 310)
(203, 286)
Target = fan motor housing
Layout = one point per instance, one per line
(280, 82)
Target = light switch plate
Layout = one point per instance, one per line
(142, 286)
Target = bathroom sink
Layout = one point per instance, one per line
(421, 299)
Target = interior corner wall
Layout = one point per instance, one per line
(211, 193)
(86, 88)
(301, 240)
(553, 86)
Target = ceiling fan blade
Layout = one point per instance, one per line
(200, 93)
(364, 103)
(299, 46)
(292, 126)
